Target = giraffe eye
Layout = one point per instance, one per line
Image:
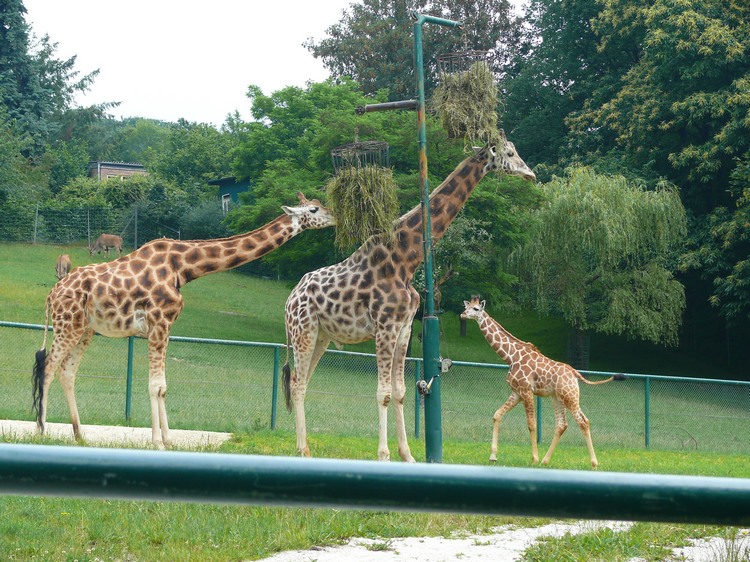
(313, 210)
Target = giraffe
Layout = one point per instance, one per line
(369, 296)
(63, 265)
(532, 373)
(105, 242)
(139, 294)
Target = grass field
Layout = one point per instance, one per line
(234, 306)
(235, 382)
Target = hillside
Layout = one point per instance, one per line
(235, 306)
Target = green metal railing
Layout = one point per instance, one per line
(42, 470)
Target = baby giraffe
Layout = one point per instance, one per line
(532, 373)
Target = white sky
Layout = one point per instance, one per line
(171, 59)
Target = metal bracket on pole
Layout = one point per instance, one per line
(404, 104)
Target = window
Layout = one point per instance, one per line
(226, 200)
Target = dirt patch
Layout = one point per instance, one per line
(115, 435)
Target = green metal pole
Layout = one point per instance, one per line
(275, 392)
(538, 419)
(129, 382)
(417, 397)
(647, 410)
(433, 432)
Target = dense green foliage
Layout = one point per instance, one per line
(373, 41)
(600, 254)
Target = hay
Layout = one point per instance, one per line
(363, 199)
(466, 103)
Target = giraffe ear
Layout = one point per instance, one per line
(466, 304)
(483, 303)
(290, 210)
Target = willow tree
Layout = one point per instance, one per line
(600, 254)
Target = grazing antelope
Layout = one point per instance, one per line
(63, 265)
(105, 242)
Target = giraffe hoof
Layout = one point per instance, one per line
(493, 458)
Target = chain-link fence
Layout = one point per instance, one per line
(76, 225)
(235, 386)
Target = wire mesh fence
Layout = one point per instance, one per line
(235, 387)
(75, 225)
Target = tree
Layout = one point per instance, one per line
(192, 154)
(36, 88)
(680, 108)
(600, 254)
(373, 43)
(554, 71)
(721, 252)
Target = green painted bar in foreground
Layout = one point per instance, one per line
(85, 472)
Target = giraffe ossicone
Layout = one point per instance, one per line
(369, 296)
(139, 295)
(530, 374)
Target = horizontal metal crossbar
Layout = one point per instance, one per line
(83, 472)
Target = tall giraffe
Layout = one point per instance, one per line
(532, 373)
(369, 295)
(139, 295)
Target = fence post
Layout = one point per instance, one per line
(129, 383)
(647, 410)
(36, 221)
(417, 397)
(538, 419)
(275, 391)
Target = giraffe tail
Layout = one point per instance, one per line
(619, 377)
(40, 362)
(287, 377)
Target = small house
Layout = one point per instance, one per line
(109, 170)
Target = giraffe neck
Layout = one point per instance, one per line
(191, 259)
(445, 203)
(505, 344)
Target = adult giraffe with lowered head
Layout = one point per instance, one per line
(139, 295)
(369, 295)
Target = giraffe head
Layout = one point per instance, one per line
(502, 157)
(310, 214)
(473, 309)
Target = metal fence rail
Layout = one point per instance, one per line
(86, 472)
(233, 386)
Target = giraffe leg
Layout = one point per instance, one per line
(399, 393)
(561, 424)
(157, 386)
(585, 426)
(385, 343)
(308, 349)
(62, 345)
(528, 404)
(67, 377)
(510, 403)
